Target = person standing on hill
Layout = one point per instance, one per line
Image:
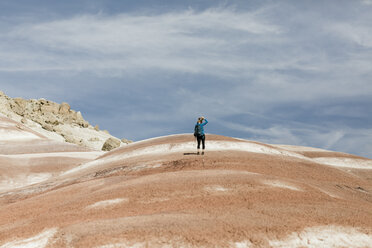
(199, 132)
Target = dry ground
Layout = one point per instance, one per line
(159, 193)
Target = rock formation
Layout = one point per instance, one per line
(58, 121)
(47, 113)
(110, 144)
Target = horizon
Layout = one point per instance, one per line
(287, 72)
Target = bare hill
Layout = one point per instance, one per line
(160, 193)
(57, 122)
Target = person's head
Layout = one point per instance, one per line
(200, 119)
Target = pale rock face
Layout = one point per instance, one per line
(64, 108)
(72, 139)
(55, 120)
(34, 106)
(5, 105)
(50, 107)
(35, 118)
(110, 144)
(48, 127)
(16, 109)
(80, 120)
(126, 141)
(19, 106)
(50, 118)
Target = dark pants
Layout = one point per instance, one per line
(202, 139)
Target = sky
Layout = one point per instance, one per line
(279, 72)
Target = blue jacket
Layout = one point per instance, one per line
(202, 126)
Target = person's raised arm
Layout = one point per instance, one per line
(205, 123)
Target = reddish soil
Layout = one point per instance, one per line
(183, 199)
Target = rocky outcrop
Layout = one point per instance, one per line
(126, 141)
(47, 113)
(59, 120)
(111, 144)
(64, 108)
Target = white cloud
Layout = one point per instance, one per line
(358, 33)
(367, 2)
(236, 45)
(351, 140)
(186, 41)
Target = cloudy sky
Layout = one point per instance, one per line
(289, 72)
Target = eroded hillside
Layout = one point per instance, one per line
(160, 193)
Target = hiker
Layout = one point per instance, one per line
(199, 132)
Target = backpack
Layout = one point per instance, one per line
(197, 130)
